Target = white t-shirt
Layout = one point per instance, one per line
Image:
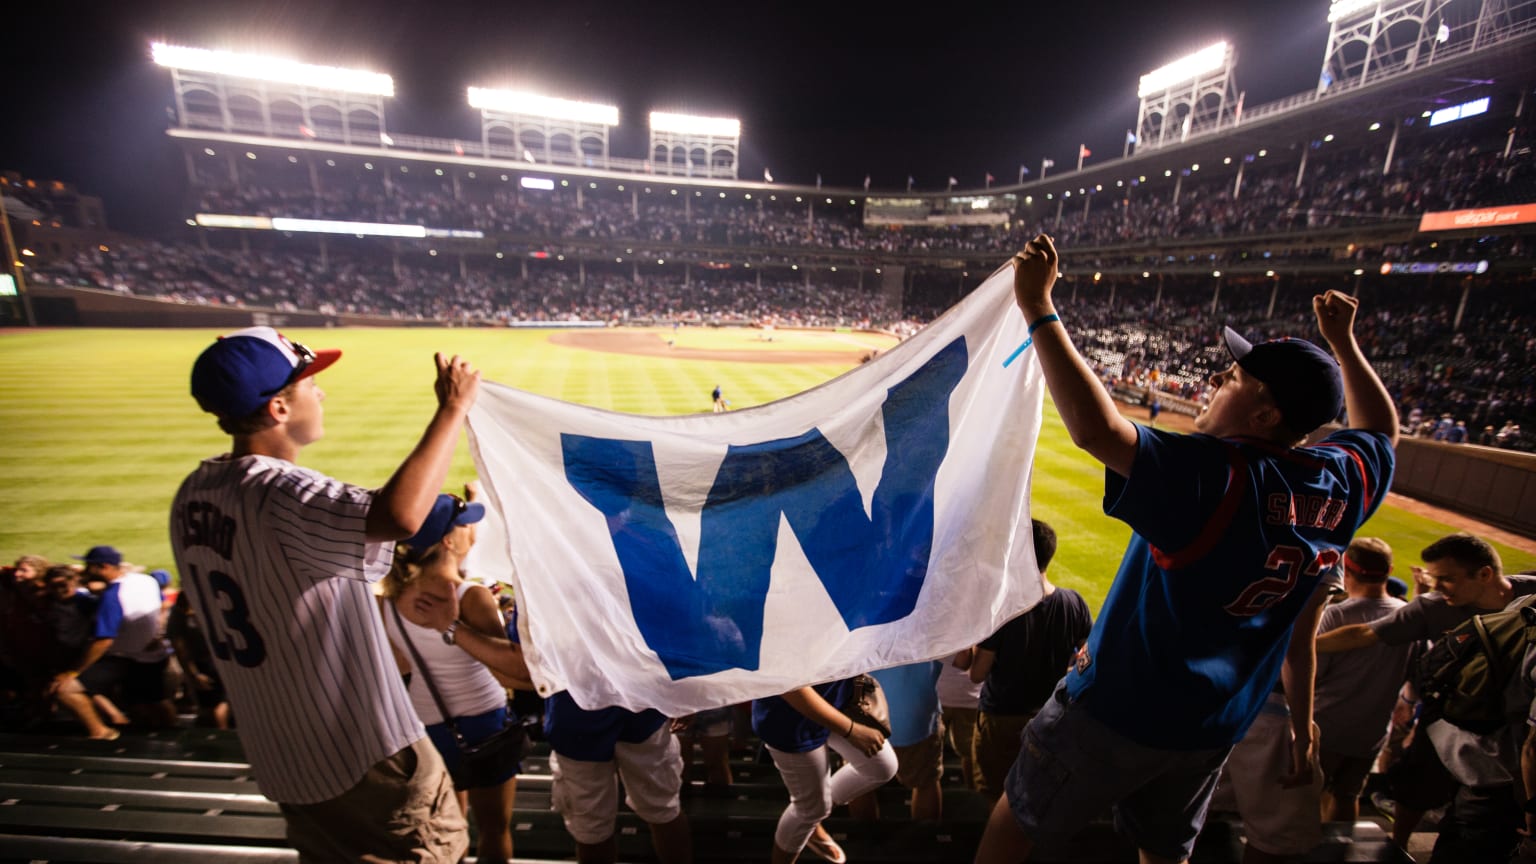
(464, 683)
(129, 615)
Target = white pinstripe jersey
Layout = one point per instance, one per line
(276, 560)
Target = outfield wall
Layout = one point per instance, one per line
(56, 306)
(1495, 486)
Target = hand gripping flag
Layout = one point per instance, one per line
(683, 563)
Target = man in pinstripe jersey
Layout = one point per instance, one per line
(281, 562)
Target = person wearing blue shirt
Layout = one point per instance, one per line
(1233, 531)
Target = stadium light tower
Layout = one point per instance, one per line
(1193, 94)
(695, 146)
(275, 96)
(1368, 39)
(515, 124)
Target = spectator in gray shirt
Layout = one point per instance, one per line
(1357, 691)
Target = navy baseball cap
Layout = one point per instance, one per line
(242, 371)
(101, 555)
(448, 513)
(1304, 379)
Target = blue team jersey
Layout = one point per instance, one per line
(1231, 537)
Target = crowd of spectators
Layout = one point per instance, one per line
(1338, 187)
(1478, 370)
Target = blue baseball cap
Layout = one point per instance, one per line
(101, 555)
(242, 371)
(448, 513)
(1304, 379)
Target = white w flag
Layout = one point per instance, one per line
(683, 563)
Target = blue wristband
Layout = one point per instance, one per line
(1042, 322)
(1030, 338)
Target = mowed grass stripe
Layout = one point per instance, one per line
(100, 429)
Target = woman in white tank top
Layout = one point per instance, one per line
(474, 696)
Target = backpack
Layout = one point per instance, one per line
(1463, 676)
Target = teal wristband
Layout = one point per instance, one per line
(1042, 322)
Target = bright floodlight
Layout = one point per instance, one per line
(272, 69)
(685, 124)
(1183, 69)
(542, 106)
(1345, 8)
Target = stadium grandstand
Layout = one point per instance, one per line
(1407, 177)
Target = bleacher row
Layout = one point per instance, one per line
(187, 795)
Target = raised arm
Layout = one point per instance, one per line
(400, 506)
(1085, 407)
(1365, 397)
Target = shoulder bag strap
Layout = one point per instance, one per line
(425, 675)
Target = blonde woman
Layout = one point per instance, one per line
(438, 625)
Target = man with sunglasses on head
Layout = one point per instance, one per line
(1236, 531)
(280, 561)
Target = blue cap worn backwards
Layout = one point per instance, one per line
(242, 371)
(1303, 378)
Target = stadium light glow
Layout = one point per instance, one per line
(543, 183)
(267, 68)
(518, 102)
(1207, 59)
(687, 124)
(1345, 8)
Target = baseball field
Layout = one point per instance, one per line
(99, 427)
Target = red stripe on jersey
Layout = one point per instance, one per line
(1369, 495)
(1216, 526)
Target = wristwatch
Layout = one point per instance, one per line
(448, 634)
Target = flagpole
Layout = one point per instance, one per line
(1080, 149)
(1043, 164)
(1125, 153)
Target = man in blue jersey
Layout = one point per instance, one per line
(1233, 530)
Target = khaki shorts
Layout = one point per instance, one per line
(1276, 820)
(995, 747)
(920, 764)
(587, 796)
(403, 809)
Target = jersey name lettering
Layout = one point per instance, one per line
(205, 525)
(1309, 511)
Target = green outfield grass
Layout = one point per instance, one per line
(99, 428)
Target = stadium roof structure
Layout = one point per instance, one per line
(1463, 54)
(274, 97)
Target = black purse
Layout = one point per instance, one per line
(485, 763)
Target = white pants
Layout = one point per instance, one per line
(812, 793)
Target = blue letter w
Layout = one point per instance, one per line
(871, 566)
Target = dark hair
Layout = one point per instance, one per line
(1045, 543)
(1472, 553)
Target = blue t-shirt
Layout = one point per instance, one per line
(912, 695)
(785, 729)
(1230, 539)
(574, 732)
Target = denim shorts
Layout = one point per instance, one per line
(475, 728)
(1072, 768)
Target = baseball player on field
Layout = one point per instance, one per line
(280, 561)
(1234, 529)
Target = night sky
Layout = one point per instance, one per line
(843, 89)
